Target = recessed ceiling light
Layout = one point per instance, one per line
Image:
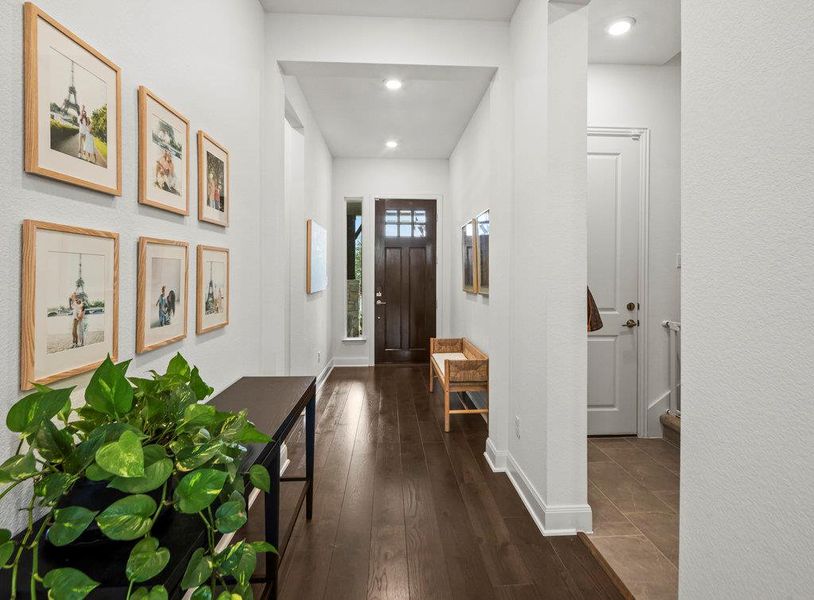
(621, 26)
(393, 84)
(392, 144)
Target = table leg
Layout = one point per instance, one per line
(272, 506)
(310, 429)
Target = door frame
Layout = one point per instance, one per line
(440, 262)
(642, 135)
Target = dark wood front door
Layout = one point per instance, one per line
(405, 280)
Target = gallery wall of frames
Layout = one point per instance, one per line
(74, 103)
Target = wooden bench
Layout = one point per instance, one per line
(460, 367)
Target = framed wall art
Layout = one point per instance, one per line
(163, 281)
(70, 301)
(163, 152)
(213, 181)
(213, 289)
(482, 246)
(72, 107)
(316, 263)
(469, 256)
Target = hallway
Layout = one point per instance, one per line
(404, 511)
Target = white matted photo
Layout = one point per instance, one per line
(163, 276)
(72, 106)
(213, 181)
(69, 301)
(316, 276)
(163, 154)
(213, 289)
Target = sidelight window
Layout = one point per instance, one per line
(353, 248)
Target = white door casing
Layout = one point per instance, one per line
(616, 242)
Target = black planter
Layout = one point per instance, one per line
(96, 496)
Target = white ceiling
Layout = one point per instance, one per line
(500, 10)
(357, 114)
(654, 40)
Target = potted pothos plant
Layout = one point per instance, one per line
(158, 449)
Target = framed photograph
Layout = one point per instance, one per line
(163, 154)
(482, 247)
(163, 278)
(469, 255)
(72, 107)
(316, 263)
(213, 181)
(213, 289)
(70, 301)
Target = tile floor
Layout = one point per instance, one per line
(633, 491)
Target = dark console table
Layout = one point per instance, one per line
(274, 405)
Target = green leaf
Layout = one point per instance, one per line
(43, 405)
(68, 584)
(128, 518)
(260, 478)
(204, 592)
(192, 457)
(231, 515)
(239, 561)
(124, 365)
(198, 489)
(54, 445)
(18, 467)
(179, 366)
(124, 457)
(6, 546)
(157, 592)
(96, 473)
(251, 435)
(85, 452)
(199, 415)
(198, 386)
(52, 487)
(154, 477)
(229, 596)
(261, 547)
(109, 391)
(198, 570)
(69, 524)
(146, 560)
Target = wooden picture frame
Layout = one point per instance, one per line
(208, 292)
(214, 199)
(469, 257)
(316, 257)
(158, 146)
(482, 235)
(50, 350)
(69, 146)
(157, 271)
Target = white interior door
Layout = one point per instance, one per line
(613, 267)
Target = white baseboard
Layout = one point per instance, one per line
(561, 519)
(324, 374)
(495, 458)
(351, 361)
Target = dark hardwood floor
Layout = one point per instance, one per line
(403, 511)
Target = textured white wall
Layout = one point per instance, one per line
(748, 298)
(645, 96)
(217, 86)
(370, 179)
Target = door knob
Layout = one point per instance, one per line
(380, 302)
(630, 324)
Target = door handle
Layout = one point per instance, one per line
(631, 323)
(380, 302)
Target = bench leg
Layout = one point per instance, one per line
(446, 411)
(431, 382)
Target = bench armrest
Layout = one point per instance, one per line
(446, 345)
(467, 371)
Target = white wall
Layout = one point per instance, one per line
(650, 96)
(370, 179)
(748, 297)
(180, 64)
(309, 318)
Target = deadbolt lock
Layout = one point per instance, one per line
(631, 306)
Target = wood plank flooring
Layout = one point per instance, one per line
(405, 512)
